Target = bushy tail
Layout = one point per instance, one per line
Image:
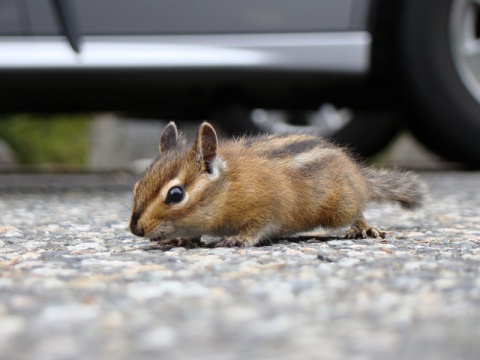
(402, 187)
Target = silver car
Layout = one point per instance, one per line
(414, 62)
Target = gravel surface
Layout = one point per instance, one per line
(74, 284)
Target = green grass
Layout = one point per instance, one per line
(42, 139)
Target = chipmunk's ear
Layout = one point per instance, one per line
(169, 138)
(205, 146)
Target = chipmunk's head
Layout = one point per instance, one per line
(169, 199)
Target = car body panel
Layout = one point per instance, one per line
(12, 18)
(187, 48)
(346, 52)
(153, 17)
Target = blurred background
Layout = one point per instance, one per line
(88, 86)
(106, 143)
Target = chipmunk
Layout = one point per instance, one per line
(257, 188)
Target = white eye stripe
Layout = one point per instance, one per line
(150, 211)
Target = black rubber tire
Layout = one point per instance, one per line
(445, 117)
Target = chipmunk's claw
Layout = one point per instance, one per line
(376, 233)
(232, 241)
(371, 232)
(361, 230)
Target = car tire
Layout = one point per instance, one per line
(445, 115)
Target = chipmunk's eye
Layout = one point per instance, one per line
(175, 195)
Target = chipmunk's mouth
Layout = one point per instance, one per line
(161, 232)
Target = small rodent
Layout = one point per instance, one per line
(257, 188)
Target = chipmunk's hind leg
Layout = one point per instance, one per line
(361, 230)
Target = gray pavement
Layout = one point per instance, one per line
(74, 284)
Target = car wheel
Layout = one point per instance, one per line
(440, 57)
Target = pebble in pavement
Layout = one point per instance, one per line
(74, 284)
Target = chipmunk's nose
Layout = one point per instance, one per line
(137, 231)
(134, 225)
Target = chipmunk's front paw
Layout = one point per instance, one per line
(370, 232)
(177, 242)
(231, 241)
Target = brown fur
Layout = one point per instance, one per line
(251, 189)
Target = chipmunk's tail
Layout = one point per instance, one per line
(402, 187)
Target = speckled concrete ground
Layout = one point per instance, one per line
(74, 284)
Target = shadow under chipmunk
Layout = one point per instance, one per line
(198, 243)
